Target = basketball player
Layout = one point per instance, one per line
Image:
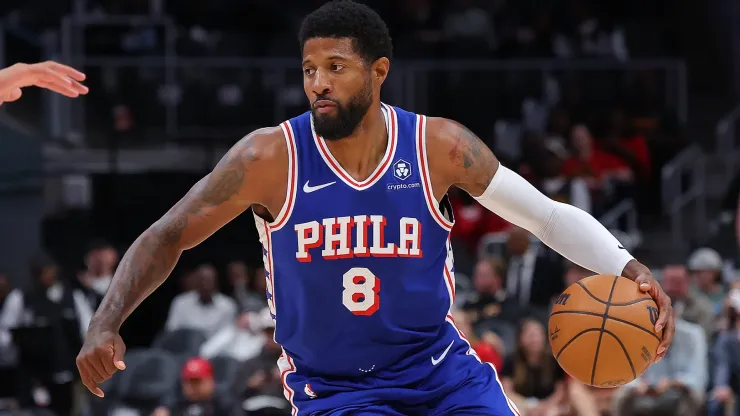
(349, 200)
(50, 75)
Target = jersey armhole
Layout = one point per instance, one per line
(291, 189)
(421, 158)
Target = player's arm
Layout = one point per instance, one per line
(242, 177)
(230, 189)
(458, 157)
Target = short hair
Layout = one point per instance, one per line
(348, 19)
(99, 244)
(40, 261)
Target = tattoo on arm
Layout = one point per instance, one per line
(474, 161)
(151, 258)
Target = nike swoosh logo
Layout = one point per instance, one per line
(308, 188)
(620, 247)
(444, 354)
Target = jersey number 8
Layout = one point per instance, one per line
(360, 293)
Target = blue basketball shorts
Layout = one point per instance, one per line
(458, 385)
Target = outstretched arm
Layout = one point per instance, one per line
(234, 184)
(458, 157)
(256, 164)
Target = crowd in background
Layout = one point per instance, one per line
(216, 355)
(130, 102)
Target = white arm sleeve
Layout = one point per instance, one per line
(574, 233)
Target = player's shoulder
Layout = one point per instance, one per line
(456, 156)
(445, 138)
(439, 131)
(443, 131)
(266, 145)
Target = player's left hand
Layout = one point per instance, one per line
(666, 320)
(50, 75)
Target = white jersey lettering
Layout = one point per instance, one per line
(335, 235)
(361, 224)
(337, 238)
(410, 244)
(309, 236)
(379, 248)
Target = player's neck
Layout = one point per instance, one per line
(360, 153)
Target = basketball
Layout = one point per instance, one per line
(602, 331)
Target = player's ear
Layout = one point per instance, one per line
(380, 69)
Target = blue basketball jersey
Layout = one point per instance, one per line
(360, 275)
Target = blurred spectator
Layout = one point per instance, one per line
(688, 305)
(8, 352)
(535, 38)
(466, 23)
(592, 164)
(574, 273)
(556, 185)
(677, 382)
(203, 308)
(590, 36)
(420, 20)
(489, 350)
(244, 286)
(472, 221)
(100, 265)
(47, 323)
(259, 383)
(737, 222)
(729, 307)
(259, 287)
(197, 394)
(559, 125)
(533, 278)
(240, 340)
(489, 299)
(5, 289)
(705, 265)
(531, 149)
(188, 281)
(726, 354)
(622, 142)
(531, 377)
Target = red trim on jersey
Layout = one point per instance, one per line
(285, 214)
(268, 266)
(425, 179)
(382, 166)
(284, 379)
(451, 283)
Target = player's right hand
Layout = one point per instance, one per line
(100, 357)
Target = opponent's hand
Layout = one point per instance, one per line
(666, 319)
(101, 356)
(50, 75)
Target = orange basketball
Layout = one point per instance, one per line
(602, 331)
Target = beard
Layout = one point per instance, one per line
(347, 117)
